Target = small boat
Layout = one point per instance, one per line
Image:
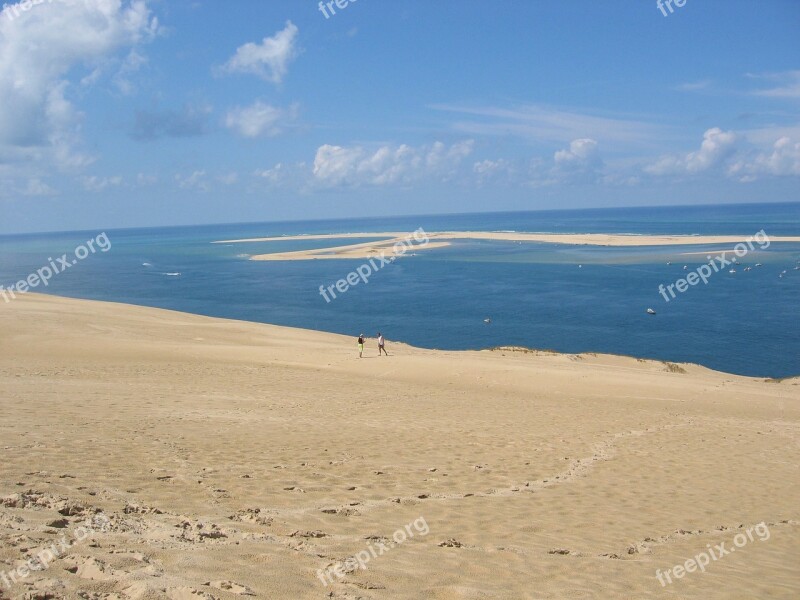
(487, 321)
(685, 267)
(669, 262)
(732, 271)
(650, 311)
(748, 268)
(759, 265)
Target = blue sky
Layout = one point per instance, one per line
(148, 113)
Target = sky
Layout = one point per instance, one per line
(170, 112)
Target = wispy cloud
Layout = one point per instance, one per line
(189, 121)
(295, 176)
(695, 86)
(94, 183)
(260, 119)
(195, 181)
(37, 187)
(766, 136)
(540, 123)
(228, 178)
(146, 179)
(783, 85)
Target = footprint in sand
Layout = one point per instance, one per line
(187, 593)
(347, 512)
(58, 524)
(309, 534)
(135, 591)
(230, 586)
(91, 568)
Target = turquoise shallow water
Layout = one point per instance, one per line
(535, 294)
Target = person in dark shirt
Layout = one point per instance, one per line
(360, 345)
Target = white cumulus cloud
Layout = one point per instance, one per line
(195, 181)
(273, 175)
(270, 59)
(355, 166)
(717, 147)
(39, 48)
(581, 155)
(782, 160)
(489, 168)
(580, 163)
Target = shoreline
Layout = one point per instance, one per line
(326, 336)
(443, 239)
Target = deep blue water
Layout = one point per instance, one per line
(536, 294)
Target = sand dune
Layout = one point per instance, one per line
(222, 459)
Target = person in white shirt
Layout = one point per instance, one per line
(381, 345)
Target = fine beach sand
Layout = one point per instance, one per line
(237, 458)
(442, 239)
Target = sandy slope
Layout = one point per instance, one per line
(233, 458)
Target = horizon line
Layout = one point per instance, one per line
(394, 216)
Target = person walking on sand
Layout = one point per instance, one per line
(361, 346)
(381, 344)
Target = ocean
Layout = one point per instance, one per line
(564, 298)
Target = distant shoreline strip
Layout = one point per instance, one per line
(444, 238)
